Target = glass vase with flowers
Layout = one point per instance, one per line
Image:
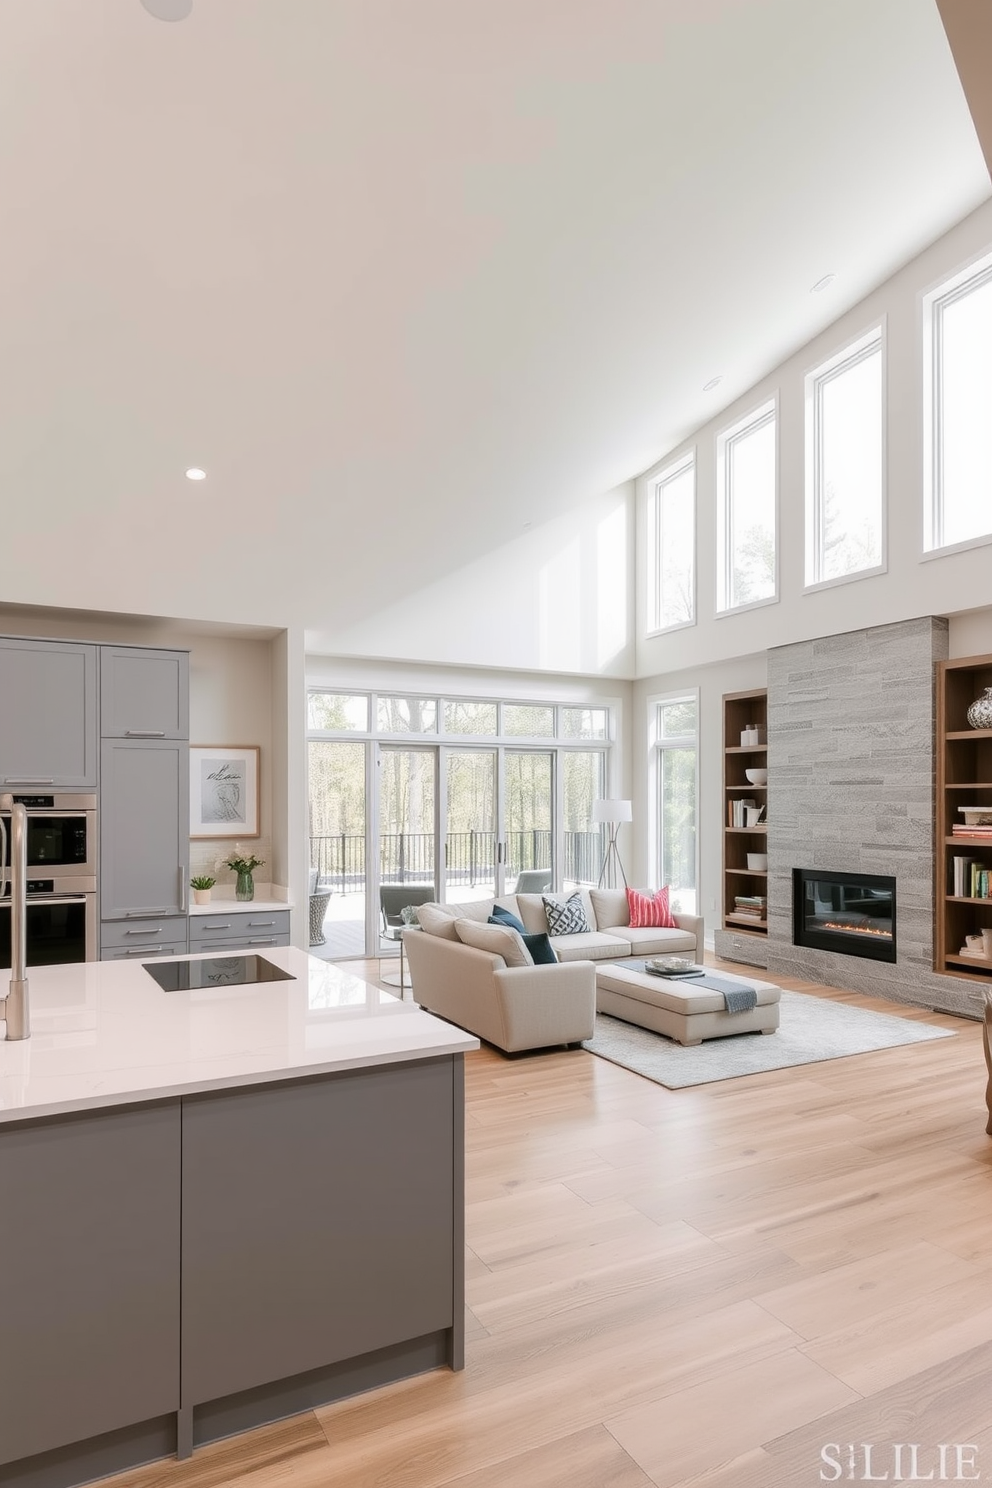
(244, 865)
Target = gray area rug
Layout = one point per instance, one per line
(811, 1029)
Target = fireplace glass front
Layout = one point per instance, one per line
(853, 913)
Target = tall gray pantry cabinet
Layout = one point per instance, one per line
(144, 801)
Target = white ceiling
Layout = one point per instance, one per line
(429, 266)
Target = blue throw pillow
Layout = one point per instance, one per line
(501, 916)
(541, 950)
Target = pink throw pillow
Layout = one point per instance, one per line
(650, 912)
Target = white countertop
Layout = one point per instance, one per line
(103, 1033)
(222, 901)
(238, 906)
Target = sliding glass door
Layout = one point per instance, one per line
(470, 825)
(407, 823)
(528, 807)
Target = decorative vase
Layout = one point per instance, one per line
(201, 896)
(244, 889)
(980, 712)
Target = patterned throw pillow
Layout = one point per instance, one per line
(568, 918)
(650, 912)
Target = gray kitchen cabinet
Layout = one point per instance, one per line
(144, 828)
(90, 1239)
(144, 693)
(48, 717)
(251, 931)
(301, 1249)
(132, 939)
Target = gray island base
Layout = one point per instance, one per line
(223, 1245)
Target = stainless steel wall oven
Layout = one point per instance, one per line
(62, 839)
(61, 921)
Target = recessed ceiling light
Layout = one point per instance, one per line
(822, 284)
(195, 473)
(713, 382)
(168, 10)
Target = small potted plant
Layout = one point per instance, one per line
(201, 885)
(244, 865)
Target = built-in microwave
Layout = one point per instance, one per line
(61, 833)
(61, 921)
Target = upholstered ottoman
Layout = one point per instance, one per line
(681, 1010)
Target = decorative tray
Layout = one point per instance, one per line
(672, 965)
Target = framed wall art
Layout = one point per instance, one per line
(223, 790)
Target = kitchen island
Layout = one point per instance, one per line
(218, 1206)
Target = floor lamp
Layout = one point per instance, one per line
(612, 813)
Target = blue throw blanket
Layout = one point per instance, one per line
(738, 996)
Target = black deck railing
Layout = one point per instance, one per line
(408, 857)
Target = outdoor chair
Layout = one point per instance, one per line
(394, 898)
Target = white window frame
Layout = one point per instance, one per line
(816, 379)
(670, 473)
(657, 743)
(766, 412)
(975, 274)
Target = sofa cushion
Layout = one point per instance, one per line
(437, 919)
(501, 916)
(542, 952)
(609, 907)
(595, 946)
(499, 940)
(650, 911)
(651, 942)
(566, 917)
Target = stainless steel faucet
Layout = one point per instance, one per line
(17, 1005)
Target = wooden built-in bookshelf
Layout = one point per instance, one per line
(740, 711)
(964, 778)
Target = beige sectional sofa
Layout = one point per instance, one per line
(492, 989)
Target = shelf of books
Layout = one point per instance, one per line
(745, 832)
(964, 824)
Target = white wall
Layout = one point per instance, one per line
(912, 586)
(557, 598)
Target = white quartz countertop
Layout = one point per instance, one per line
(222, 901)
(239, 906)
(103, 1033)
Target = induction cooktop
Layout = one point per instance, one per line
(214, 971)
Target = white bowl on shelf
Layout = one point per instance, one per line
(757, 862)
(757, 777)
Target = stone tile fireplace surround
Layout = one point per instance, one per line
(851, 770)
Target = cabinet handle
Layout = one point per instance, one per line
(217, 927)
(182, 889)
(262, 940)
(145, 914)
(156, 931)
(260, 924)
(144, 950)
(29, 780)
(144, 733)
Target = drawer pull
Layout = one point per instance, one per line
(156, 931)
(260, 924)
(144, 733)
(262, 940)
(143, 950)
(217, 927)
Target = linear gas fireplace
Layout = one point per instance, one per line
(854, 913)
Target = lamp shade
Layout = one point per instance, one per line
(612, 811)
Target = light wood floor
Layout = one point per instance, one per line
(702, 1286)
